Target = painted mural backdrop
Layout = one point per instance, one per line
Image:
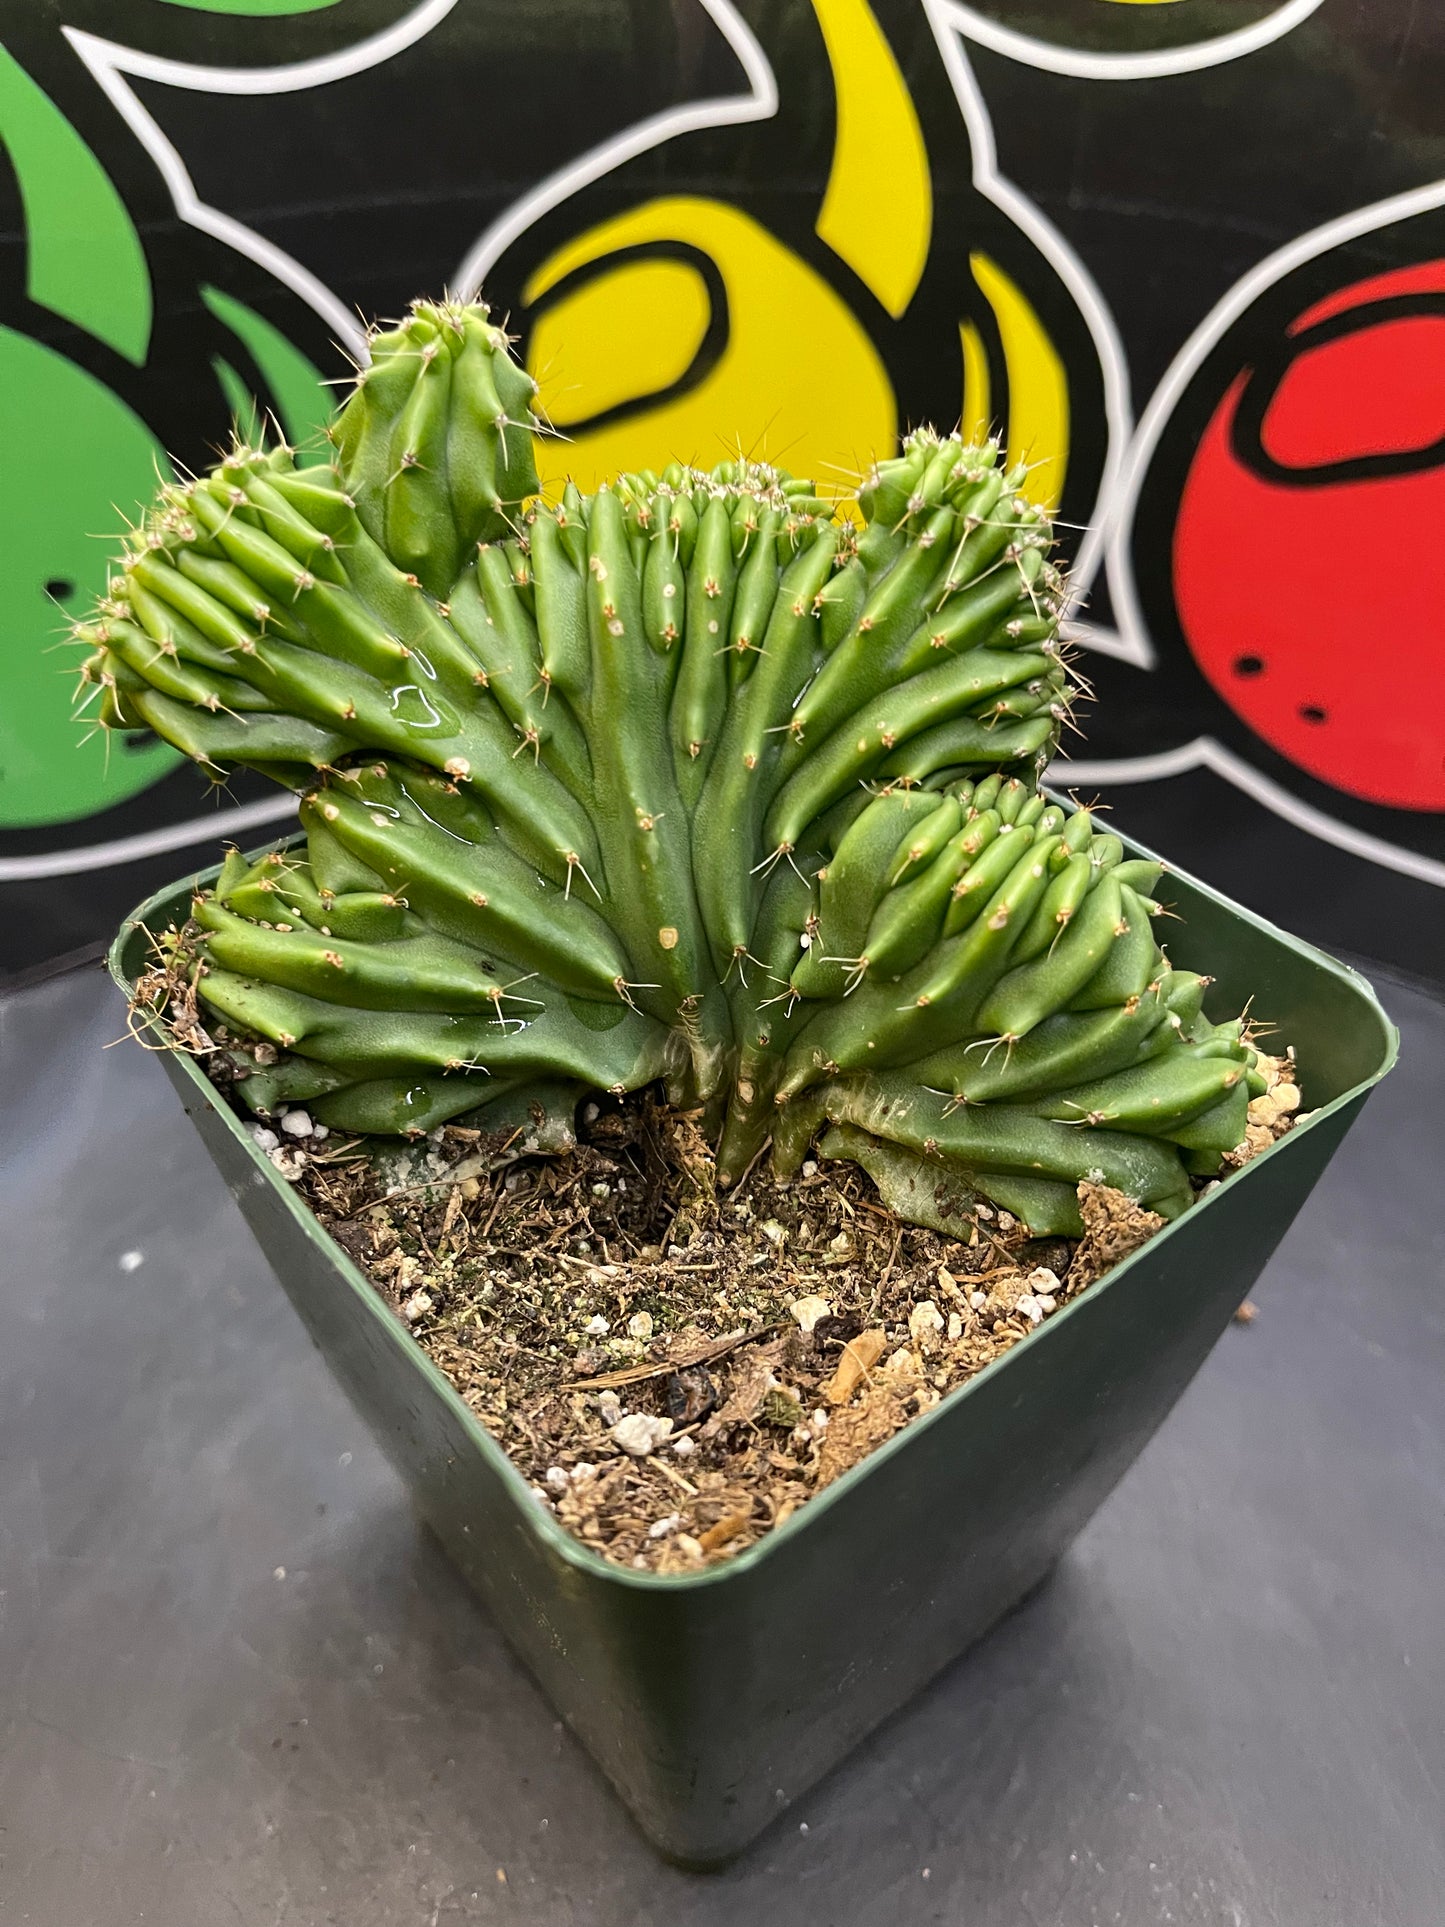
(794, 227)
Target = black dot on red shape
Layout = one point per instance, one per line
(1312, 713)
(1249, 665)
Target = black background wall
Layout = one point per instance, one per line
(1190, 258)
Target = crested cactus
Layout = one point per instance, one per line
(688, 781)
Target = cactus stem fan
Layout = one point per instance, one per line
(694, 779)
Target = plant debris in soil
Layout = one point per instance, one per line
(676, 1370)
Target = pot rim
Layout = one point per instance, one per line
(539, 1518)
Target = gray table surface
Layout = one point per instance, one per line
(238, 1683)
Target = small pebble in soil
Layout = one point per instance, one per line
(296, 1124)
(640, 1433)
(925, 1322)
(807, 1311)
(266, 1140)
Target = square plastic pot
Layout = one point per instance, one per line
(712, 1700)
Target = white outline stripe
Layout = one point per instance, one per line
(130, 849)
(759, 103)
(1094, 637)
(1086, 64)
(1118, 406)
(1205, 753)
(109, 64)
(290, 78)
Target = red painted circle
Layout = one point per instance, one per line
(1318, 613)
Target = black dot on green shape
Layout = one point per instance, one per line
(59, 588)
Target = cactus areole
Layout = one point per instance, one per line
(692, 780)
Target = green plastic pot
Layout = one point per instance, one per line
(712, 1700)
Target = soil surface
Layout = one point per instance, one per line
(677, 1370)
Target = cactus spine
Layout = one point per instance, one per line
(686, 780)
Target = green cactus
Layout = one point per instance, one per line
(690, 780)
(436, 441)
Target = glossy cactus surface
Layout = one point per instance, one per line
(690, 780)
